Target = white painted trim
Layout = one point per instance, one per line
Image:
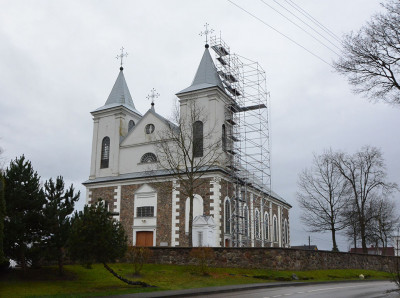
(117, 203)
(175, 214)
(215, 202)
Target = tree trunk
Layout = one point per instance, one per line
(334, 248)
(363, 238)
(22, 259)
(129, 282)
(191, 220)
(60, 262)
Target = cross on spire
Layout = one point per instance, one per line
(153, 94)
(122, 56)
(206, 32)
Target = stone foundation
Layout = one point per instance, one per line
(277, 259)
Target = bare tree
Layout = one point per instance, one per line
(371, 56)
(323, 196)
(384, 222)
(366, 174)
(187, 151)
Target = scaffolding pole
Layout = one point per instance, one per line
(248, 138)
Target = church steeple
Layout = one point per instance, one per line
(120, 95)
(206, 75)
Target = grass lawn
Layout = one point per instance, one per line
(81, 282)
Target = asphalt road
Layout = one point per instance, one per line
(371, 289)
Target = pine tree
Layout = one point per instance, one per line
(24, 217)
(97, 237)
(2, 217)
(59, 206)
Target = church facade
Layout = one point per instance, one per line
(149, 200)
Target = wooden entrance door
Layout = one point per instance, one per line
(144, 238)
(227, 243)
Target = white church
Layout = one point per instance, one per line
(128, 173)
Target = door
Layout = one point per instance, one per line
(144, 238)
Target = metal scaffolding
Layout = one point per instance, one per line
(247, 136)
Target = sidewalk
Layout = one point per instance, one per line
(226, 289)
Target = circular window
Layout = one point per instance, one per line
(149, 128)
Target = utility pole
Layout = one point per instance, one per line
(309, 242)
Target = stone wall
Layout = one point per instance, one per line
(276, 259)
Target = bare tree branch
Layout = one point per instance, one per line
(371, 57)
(178, 151)
(323, 195)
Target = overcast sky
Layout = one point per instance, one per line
(57, 63)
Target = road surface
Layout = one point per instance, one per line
(371, 289)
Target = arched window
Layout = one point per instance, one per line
(227, 216)
(148, 157)
(275, 228)
(285, 232)
(198, 139)
(105, 152)
(257, 224)
(246, 220)
(131, 125)
(266, 226)
(223, 137)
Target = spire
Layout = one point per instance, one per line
(206, 75)
(120, 95)
(120, 92)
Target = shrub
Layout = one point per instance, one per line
(138, 256)
(203, 257)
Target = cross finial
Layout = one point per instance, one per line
(206, 32)
(122, 56)
(153, 94)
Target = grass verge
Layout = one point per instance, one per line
(82, 282)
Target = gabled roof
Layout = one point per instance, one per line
(119, 96)
(206, 75)
(153, 112)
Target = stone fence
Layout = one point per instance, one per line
(277, 259)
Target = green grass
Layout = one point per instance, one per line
(82, 282)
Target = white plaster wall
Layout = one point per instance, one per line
(216, 210)
(198, 209)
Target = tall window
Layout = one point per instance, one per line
(105, 152)
(285, 232)
(131, 125)
(275, 228)
(198, 139)
(223, 137)
(246, 220)
(257, 224)
(266, 226)
(227, 217)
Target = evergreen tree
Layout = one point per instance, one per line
(24, 217)
(59, 206)
(2, 217)
(97, 237)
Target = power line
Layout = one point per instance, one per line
(301, 27)
(312, 19)
(277, 31)
(306, 25)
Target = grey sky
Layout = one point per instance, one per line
(58, 63)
